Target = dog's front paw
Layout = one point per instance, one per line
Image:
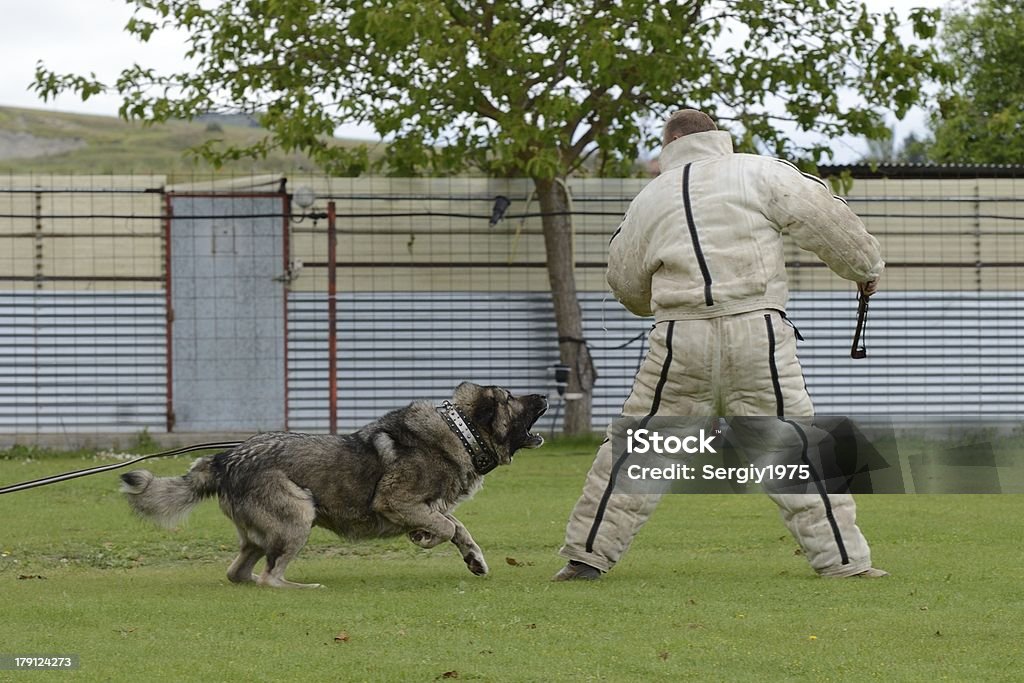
(476, 564)
(423, 538)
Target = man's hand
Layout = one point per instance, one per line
(868, 288)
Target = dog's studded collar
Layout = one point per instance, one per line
(484, 459)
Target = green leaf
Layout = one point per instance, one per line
(513, 86)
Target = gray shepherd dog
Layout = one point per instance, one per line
(401, 474)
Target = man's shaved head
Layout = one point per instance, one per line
(685, 122)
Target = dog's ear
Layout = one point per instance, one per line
(483, 410)
(480, 403)
(466, 393)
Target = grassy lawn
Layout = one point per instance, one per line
(712, 590)
(114, 146)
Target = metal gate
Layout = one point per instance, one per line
(226, 312)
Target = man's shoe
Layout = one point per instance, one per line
(577, 571)
(872, 573)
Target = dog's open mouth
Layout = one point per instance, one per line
(534, 440)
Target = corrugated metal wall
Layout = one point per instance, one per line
(82, 313)
(82, 361)
(430, 295)
(942, 334)
(929, 353)
(396, 347)
(948, 354)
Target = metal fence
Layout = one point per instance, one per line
(127, 303)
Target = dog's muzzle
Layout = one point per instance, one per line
(534, 440)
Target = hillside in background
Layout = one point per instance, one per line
(38, 141)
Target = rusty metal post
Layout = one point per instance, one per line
(332, 316)
(286, 225)
(168, 301)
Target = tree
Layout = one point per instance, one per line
(915, 150)
(881, 150)
(980, 116)
(532, 88)
(885, 150)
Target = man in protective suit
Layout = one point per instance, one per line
(701, 249)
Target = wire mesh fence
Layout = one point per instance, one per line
(82, 303)
(127, 303)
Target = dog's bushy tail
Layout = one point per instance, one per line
(168, 500)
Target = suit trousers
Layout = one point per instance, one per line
(735, 366)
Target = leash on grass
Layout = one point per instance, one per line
(25, 485)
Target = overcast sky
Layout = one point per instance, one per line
(82, 36)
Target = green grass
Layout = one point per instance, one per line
(712, 590)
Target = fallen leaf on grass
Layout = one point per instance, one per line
(23, 577)
(516, 563)
(531, 626)
(341, 637)
(663, 656)
(449, 674)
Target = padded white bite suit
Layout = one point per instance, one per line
(701, 249)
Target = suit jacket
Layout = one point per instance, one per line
(704, 238)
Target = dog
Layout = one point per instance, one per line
(401, 474)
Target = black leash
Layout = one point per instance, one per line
(106, 468)
(859, 348)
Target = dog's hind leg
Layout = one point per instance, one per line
(278, 557)
(249, 554)
(283, 529)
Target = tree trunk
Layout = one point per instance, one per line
(573, 351)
